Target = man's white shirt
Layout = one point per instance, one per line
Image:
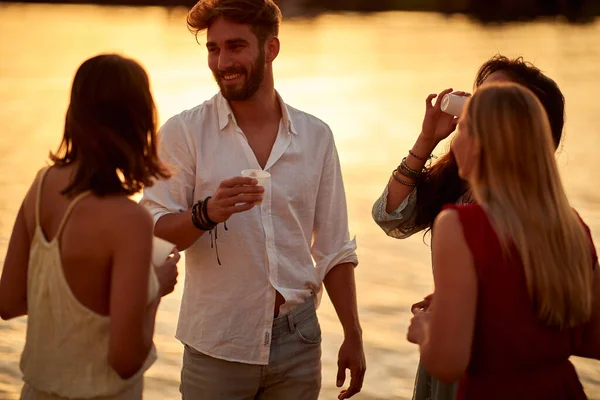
(286, 244)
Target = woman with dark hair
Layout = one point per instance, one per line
(415, 194)
(79, 259)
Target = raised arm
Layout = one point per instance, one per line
(395, 211)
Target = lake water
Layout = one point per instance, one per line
(366, 76)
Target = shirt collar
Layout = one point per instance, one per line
(226, 115)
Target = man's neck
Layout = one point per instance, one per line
(262, 107)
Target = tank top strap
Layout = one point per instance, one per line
(72, 204)
(38, 196)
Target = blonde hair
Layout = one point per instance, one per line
(519, 185)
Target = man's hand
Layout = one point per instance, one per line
(233, 196)
(352, 357)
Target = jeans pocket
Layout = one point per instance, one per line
(190, 351)
(309, 331)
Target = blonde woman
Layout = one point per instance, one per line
(517, 291)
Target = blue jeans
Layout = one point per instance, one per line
(429, 388)
(293, 372)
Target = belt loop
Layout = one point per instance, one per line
(291, 325)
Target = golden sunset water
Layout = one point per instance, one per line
(366, 76)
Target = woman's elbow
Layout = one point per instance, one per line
(125, 367)
(9, 312)
(5, 315)
(126, 357)
(448, 375)
(592, 352)
(447, 370)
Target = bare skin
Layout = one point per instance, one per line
(106, 249)
(437, 126)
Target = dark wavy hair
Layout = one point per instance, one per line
(263, 16)
(110, 129)
(442, 185)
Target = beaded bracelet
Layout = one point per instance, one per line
(405, 183)
(405, 170)
(426, 159)
(419, 157)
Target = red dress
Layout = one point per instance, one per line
(514, 356)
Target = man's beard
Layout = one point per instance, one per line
(251, 83)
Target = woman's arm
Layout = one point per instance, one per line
(13, 284)
(398, 192)
(400, 223)
(131, 318)
(447, 337)
(590, 344)
(395, 210)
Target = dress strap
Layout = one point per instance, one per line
(38, 197)
(73, 203)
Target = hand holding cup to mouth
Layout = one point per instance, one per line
(440, 119)
(453, 103)
(234, 195)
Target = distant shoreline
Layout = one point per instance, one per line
(578, 11)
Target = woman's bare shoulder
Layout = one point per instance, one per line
(120, 210)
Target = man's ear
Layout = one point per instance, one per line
(272, 46)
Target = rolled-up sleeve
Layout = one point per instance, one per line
(400, 223)
(331, 244)
(175, 194)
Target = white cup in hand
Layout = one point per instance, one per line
(262, 176)
(453, 104)
(161, 249)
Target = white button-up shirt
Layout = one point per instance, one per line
(287, 244)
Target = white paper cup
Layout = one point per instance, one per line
(262, 176)
(453, 104)
(160, 250)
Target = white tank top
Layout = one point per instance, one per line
(66, 348)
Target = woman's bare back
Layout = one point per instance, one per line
(87, 238)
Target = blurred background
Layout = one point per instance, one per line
(363, 66)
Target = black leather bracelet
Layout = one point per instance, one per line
(205, 212)
(197, 217)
